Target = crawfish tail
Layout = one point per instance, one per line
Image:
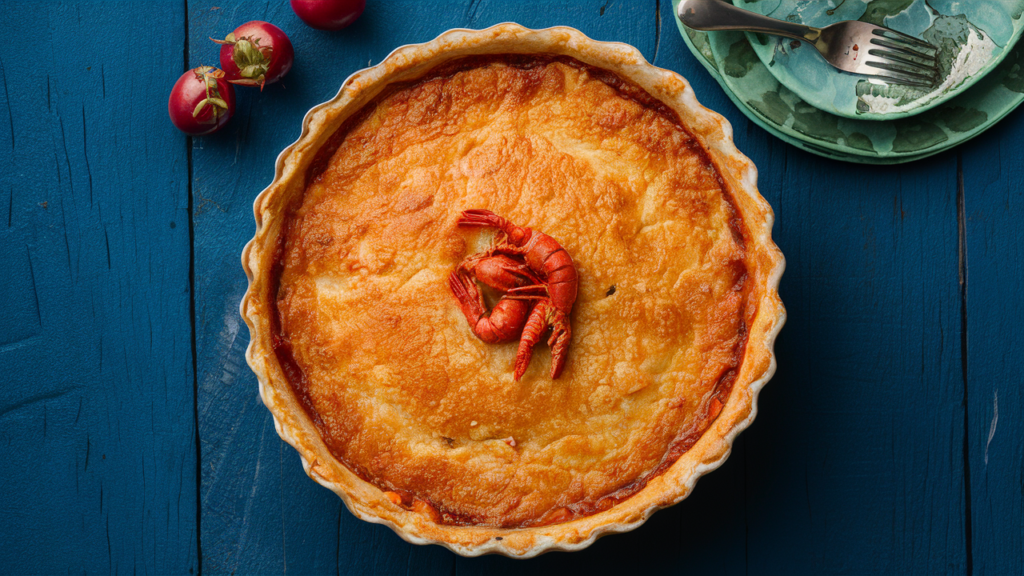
(504, 322)
(535, 327)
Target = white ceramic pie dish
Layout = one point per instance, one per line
(407, 63)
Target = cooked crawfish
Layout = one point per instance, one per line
(505, 321)
(551, 283)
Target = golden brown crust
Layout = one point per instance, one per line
(394, 372)
(408, 397)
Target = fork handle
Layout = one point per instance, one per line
(721, 15)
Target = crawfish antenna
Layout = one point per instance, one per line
(481, 218)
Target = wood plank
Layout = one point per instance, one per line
(855, 464)
(860, 456)
(96, 410)
(994, 263)
(259, 511)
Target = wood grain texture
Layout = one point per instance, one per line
(854, 464)
(994, 265)
(858, 467)
(882, 445)
(260, 513)
(98, 469)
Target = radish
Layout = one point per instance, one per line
(201, 101)
(328, 14)
(255, 54)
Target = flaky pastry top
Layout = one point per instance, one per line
(403, 392)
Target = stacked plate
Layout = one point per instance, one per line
(789, 90)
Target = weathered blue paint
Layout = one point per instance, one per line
(994, 264)
(859, 457)
(858, 461)
(260, 513)
(96, 408)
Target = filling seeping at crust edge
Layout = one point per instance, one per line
(446, 510)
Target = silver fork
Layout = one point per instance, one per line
(851, 46)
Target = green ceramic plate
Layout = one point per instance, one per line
(700, 46)
(972, 36)
(777, 109)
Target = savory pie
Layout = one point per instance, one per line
(370, 368)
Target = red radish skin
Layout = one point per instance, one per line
(255, 54)
(328, 14)
(201, 101)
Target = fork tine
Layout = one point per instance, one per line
(894, 67)
(904, 49)
(914, 65)
(902, 72)
(900, 36)
(899, 79)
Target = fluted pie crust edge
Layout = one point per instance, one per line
(764, 260)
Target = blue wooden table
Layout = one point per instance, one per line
(890, 441)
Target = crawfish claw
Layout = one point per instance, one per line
(544, 315)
